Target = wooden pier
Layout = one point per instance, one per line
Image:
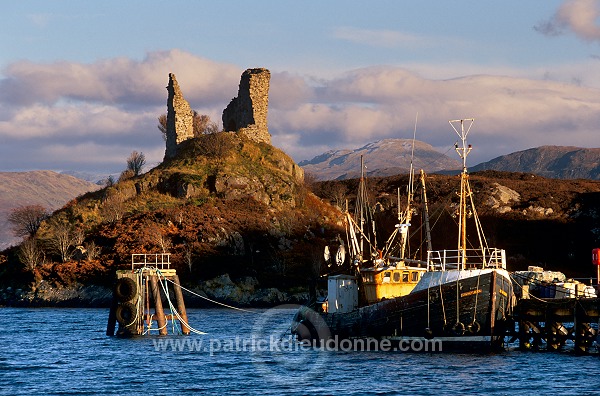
(138, 297)
(549, 323)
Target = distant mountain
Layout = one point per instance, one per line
(96, 178)
(49, 189)
(382, 158)
(558, 162)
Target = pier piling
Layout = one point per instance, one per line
(549, 323)
(138, 291)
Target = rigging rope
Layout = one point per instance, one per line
(172, 308)
(539, 283)
(213, 301)
(476, 296)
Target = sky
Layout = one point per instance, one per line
(82, 83)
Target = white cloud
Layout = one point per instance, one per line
(70, 120)
(390, 38)
(578, 16)
(376, 103)
(119, 81)
(73, 116)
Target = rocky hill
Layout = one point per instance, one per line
(243, 228)
(46, 188)
(225, 207)
(232, 211)
(550, 223)
(560, 162)
(382, 158)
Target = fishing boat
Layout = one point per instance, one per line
(459, 300)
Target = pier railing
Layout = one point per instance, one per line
(442, 260)
(161, 261)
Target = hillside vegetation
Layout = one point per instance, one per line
(46, 188)
(544, 222)
(225, 204)
(239, 217)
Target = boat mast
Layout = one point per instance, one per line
(360, 202)
(426, 213)
(405, 219)
(463, 151)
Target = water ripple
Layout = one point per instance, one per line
(65, 352)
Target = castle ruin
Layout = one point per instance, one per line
(180, 118)
(247, 113)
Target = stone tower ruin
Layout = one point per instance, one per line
(180, 118)
(247, 113)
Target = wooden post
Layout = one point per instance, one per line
(158, 308)
(185, 329)
(112, 318)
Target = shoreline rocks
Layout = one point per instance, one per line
(244, 292)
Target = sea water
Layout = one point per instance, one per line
(66, 352)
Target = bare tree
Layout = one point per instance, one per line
(338, 194)
(78, 235)
(113, 207)
(61, 238)
(162, 126)
(188, 255)
(154, 235)
(136, 162)
(92, 251)
(203, 125)
(164, 242)
(26, 220)
(110, 181)
(30, 254)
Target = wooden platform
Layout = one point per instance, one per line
(548, 323)
(138, 297)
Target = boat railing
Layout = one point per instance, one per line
(443, 260)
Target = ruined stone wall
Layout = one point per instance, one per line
(247, 113)
(180, 118)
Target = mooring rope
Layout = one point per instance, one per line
(442, 300)
(476, 296)
(137, 312)
(531, 295)
(457, 300)
(208, 299)
(150, 326)
(172, 307)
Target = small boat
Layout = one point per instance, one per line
(456, 300)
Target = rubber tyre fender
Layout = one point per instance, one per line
(308, 327)
(474, 327)
(553, 339)
(428, 334)
(458, 329)
(125, 289)
(125, 314)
